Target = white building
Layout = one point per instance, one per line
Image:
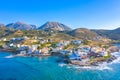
(76, 42)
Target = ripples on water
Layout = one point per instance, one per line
(34, 68)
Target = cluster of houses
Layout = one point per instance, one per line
(83, 53)
(25, 49)
(60, 46)
(18, 43)
(80, 53)
(33, 50)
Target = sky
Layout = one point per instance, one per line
(92, 14)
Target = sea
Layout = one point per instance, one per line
(47, 68)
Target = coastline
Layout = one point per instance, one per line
(93, 62)
(33, 55)
(8, 50)
(49, 66)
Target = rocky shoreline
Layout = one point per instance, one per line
(92, 62)
(85, 62)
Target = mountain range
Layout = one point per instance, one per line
(21, 26)
(83, 33)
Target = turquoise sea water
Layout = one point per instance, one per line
(34, 68)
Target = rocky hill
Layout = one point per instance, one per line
(4, 31)
(55, 26)
(21, 26)
(61, 36)
(84, 33)
(112, 34)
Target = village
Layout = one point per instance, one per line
(71, 52)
